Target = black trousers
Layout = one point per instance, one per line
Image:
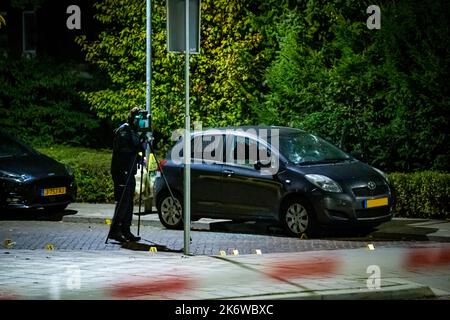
(124, 192)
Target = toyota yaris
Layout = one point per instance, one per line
(272, 173)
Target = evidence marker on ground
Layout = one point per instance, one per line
(8, 243)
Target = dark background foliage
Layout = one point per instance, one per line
(308, 64)
(40, 102)
(380, 92)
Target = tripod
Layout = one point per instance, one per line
(130, 171)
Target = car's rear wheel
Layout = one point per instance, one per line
(298, 218)
(170, 211)
(56, 209)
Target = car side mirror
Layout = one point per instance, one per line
(258, 165)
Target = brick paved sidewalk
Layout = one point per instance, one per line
(398, 228)
(339, 274)
(91, 236)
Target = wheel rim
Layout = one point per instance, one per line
(297, 218)
(171, 211)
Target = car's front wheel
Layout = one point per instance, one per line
(298, 218)
(170, 211)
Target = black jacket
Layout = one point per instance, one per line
(126, 146)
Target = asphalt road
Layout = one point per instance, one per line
(36, 231)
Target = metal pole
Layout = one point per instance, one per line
(187, 145)
(148, 88)
(148, 96)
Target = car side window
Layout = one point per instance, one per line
(245, 151)
(207, 148)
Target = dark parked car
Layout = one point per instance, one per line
(273, 173)
(29, 179)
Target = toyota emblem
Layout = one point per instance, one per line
(371, 185)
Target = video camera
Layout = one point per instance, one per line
(142, 121)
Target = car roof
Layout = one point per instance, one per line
(283, 131)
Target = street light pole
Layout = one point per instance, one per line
(148, 87)
(187, 144)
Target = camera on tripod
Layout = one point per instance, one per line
(142, 121)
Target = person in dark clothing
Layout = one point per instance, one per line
(126, 148)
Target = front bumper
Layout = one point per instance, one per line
(23, 206)
(348, 209)
(27, 195)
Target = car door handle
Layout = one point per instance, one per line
(228, 173)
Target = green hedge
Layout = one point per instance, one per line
(423, 194)
(92, 171)
(419, 195)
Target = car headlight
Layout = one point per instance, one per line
(323, 182)
(12, 176)
(384, 175)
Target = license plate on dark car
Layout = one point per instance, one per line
(53, 191)
(376, 202)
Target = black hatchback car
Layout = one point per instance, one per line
(30, 180)
(273, 173)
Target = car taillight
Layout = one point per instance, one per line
(162, 163)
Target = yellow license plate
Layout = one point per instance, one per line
(376, 202)
(53, 191)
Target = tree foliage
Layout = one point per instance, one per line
(2, 21)
(39, 102)
(223, 76)
(381, 91)
(302, 63)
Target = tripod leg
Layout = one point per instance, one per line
(112, 223)
(121, 199)
(140, 199)
(116, 210)
(162, 173)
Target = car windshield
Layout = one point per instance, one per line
(303, 148)
(11, 148)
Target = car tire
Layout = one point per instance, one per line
(170, 211)
(55, 209)
(298, 217)
(365, 231)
